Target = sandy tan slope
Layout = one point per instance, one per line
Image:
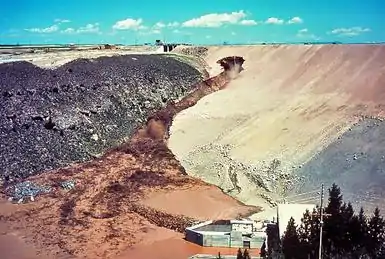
(289, 104)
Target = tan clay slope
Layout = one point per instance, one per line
(289, 103)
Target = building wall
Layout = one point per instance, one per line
(216, 240)
(236, 239)
(224, 239)
(257, 242)
(194, 237)
(244, 228)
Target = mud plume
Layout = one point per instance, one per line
(103, 215)
(158, 125)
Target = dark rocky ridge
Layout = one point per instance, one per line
(53, 117)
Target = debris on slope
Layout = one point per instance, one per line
(316, 94)
(24, 191)
(177, 223)
(102, 214)
(68, 185)
(355, 162)
(230, 63)
(192, 51)
(216, 166)
(53, 117)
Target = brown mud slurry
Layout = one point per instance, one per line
(137, 195)
(177, 248)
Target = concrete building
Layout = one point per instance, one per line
(228, 233)
(286, 211)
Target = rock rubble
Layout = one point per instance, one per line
(53, 117)
(213, 163)
(24, 191)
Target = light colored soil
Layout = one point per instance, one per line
(288, 104)
(216, 205)
(57, 58)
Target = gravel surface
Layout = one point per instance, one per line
(23, 191)
(50, 118)
(355, 162)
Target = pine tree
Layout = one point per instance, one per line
(345, 235)
(246, 254)
(314, 233)
(376, 235)
(273, 241)
(335, 200)
(239, 254)
(334, 233)
(358, 229)
(347, 228)
(304, 233)
(290, 241)
(263, 252)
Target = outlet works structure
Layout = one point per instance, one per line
(242, 233)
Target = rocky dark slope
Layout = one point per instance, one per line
(50, 118)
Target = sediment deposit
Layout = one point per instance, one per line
(100, 208)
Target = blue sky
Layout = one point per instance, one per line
(198, 21)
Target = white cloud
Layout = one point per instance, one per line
(208, 36)
(61, 21)
(215, 20)
(274, 20)
(248, 22)
(159, 25)
(176, 31)
(128, 24)
(233, 33)
(69, 30)
(89, 28)
(173, 24)
(353, 31)
(49, 29)
(305, 34)
(295, 20)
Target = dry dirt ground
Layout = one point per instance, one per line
(134, 198)
(59, 57)
(260, 137)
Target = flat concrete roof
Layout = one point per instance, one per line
(214, 228)
(222, 226)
